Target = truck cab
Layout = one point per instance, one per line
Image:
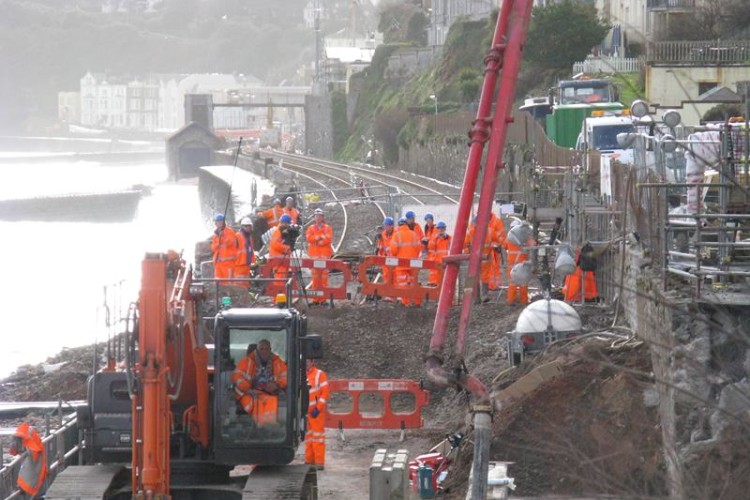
(600, 133)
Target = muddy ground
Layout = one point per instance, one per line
(585, 432)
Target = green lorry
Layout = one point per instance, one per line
(574, 101)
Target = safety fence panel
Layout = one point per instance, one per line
(389, 286)
(295, 265)
(387, 414)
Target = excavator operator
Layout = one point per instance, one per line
(259, 379)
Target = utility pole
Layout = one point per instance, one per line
(316, 8)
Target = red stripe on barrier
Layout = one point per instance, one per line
(389, 288)
(386, 389)
(328, 292)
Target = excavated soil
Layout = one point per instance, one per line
(587, 431)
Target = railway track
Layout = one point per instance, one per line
(417, 191)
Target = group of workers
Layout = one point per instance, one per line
(233, 252)
(319, 237)
(413, 241)
(234, 255)
(260, 378)
(432, 242)
(503, 251)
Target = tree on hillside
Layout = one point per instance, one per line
(402, 22)
(563, 33)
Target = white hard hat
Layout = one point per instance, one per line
(318, 211)
(246, 221)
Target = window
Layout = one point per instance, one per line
(240, 339)
(267, 418)
(704, 87)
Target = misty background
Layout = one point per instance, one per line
(47, 46)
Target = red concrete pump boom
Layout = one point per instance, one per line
(505, 55)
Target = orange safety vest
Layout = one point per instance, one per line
(405, 243)
(384, 243)
(250, 378)
(438, 247)
(273, 215)
(488, 240)
(245, 255)
(319, 391)
(319, 239)
(315, 439)
(417, 230)
(33, 470)
(515, 253)
(224, 246)
(276, 247)
(293, 213)
(497, 227)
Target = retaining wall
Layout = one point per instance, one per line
(701, 361)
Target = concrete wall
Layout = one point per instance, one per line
(319, 126)
(701, 360)
(407, 62)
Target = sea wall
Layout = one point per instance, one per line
(701, 361)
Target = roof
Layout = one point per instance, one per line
(719, 94)
(350, 54)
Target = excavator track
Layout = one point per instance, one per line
(87, 482)
(287, 482)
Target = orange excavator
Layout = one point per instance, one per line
(168, 425)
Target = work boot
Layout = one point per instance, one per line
(484, 293)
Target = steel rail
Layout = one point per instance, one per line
(295, 163)
(316, 165)
(335, 197)
(370, 174)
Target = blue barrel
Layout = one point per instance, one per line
(426, 486)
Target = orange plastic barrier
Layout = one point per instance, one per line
(388, 288)
(328, 292)
(385, 389)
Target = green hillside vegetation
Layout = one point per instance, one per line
(392, 112)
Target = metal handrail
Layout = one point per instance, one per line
(57, 456)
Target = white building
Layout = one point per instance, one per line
(156, 102)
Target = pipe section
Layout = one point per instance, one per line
(480, 466)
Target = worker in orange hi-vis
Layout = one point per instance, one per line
(292, 211)
(383, 248)
(406, 245)
(319, 246)
(258, 380)
(278, 247)
(582, 281)
(245, 252)
(430, 231)
(315, 438)
(519, 236)
(498, 240)
(33, 470)
(437, 248)
(224, 247)
(411, 222)
(487, 250)
(273, 214)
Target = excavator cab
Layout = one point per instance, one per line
(265, 427)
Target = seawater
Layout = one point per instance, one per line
(53, 274)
